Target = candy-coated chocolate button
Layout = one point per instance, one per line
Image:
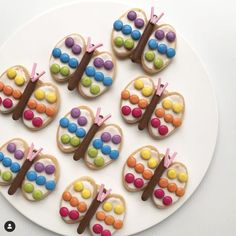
(182, 177)
(66, 196)
(7, 176)
(76, 49)
(32, 104)
(159, 193)
(50, 169)
(92, 152)
(106, 137)
(41, 180)
(134, 99)
(39, 94)
(119, 209)
(74, 201)
(135, 34)
(170, 36)
(86, 81)
(145, 154)
(139, 23)
(152, 163)
(147, 174)
(107, 81)
(7, 162)
(177, 122)
(126, 110)
(97, 143)
(50, 111)
(177, 107)
(152, 43)
(114, 154)
(86, 193)
(116, 139)
(37, 122)
(73, 63)
(78, 186)
(55, 68)
(64, 211)
(75, 113)
(37, 195)
(107, 206)
(56, 52)
(125, 94)
(142, 103)
(172, 187)
(137, 112)
(90, 71)
(108, 65)
(171, 173)
(94, 89)
(139, 168)
(180, 192)
(72, 127)
(109, 220)
(168, 118)
(170, 52)
(131, 162)
(1, 156)
(98, 62)
(7, 90)
(147, 91)
(64, 122)
(64, 57)
(163, 183)
(99, 76)
(158, 63)
(155, 122)
(129, 178)
(40, 108)
(11, 147)
(19, 80)
(82, 121)
(167, 104)
(11, 73)
(106, 232)
(149, 56)
(106, 149)
(118, 25)
(99, 161)
(167, 200)
(132, 15)
(119, 41)
(129, 44)
(97, 229)
(82, 207)
(162, 48)
(74, 215)
(138, 183)
(75, 141)
(28, 187)
(31, 175)
(138, 84)
(65, 138)
(100, 215)
(64, 71)
(126, 29)
(163, 130)
(19, 154)
(159, 34)
(51, 97)
(16, 94)
(118, 224)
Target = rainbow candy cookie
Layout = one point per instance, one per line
(145, 42)
(86, 203)
(156, 109)
(157, 175)
(23, 167)
(86, 136)
(82, 65)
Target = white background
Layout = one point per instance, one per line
(209, 26)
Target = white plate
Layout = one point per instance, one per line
(194, 141)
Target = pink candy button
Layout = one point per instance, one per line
(137, 112)
(64, 211)
(167, 200)
(74, 215)
(106, 233)
(163, 130)
(126, 110)
(37, 122)
(7, 103)
(129, 178)
(159, 193)
(97, 228)
(155, 122)
(138, 183)
(28, 115)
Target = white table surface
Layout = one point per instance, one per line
(209, 26)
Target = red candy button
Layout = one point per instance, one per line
(129, 178)
(137, 112)
(163, 130)
(37, 122)
(74, 215)
(126, 110)
(97, 228)
(7, 103)
(106, 233)
(28, 115)
(159, 193)
(138, 183)
(167, 200)
(64, 211)
(155, 122)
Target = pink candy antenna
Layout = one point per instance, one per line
(160, 87)
(169, 159)
(100, 120)
(34, 76)
(32, 154)
(154, 18)
(90, 47)
(101, 195)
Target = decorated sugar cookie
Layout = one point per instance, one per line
(156, 175)
(156, 109)
(144, 41)
(86, 136)
(92, 206)
(24, 167)
(82, 65)
(28, 98)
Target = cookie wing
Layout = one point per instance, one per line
(127, 31)
(167, 116)
(41, 179)
(66, 56)
(98, 76)
(12, 84)
(12, 156)
(73, 128)
(105, 147)
(160, 49)
(135, 98)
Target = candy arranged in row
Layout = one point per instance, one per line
(93, 76)
(40, 174)
(78, 199)
(103, 146)
(145, 42)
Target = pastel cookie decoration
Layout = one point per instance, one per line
(12, 84)
(150, 44)
(92, 206)
(23, 167)
(84, 135)
(156, 175)
(154, 108)
(83, 66)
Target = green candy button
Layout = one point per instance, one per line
(55, 68)
(92, 152)
(38, 195)
(86, 81)
(74, 141)
(28, 187)
(94, 89)
(99, 161)
(149, 55)
(65, 71)
(158, 63)
(129, 44)
(65, 138)
(119, 41)
(7, 176)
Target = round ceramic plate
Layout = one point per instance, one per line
(194, 141)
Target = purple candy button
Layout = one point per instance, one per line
(50, 169)
(170, 36)
(139, 23)
(11, 147)
(132, 15)
(75, 113)
(69, 42)
(98, 62)
(39, 167)
(108, 65)
(159, 34)
(18, 154)
(76, 49)
(106, 137)
(116, 139)
(82, 121)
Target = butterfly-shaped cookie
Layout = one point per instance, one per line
(154, 108)
(24, 167)
(88, 204)
(156, 175)
(144, 42)
(27, 97)
(86, 136)
(82, 65)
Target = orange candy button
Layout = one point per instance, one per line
(125, 94)
(7, 90)
(147, 174)
(139, 168)
(109, 220)
(172, 187)
(50, 111)
(100, 215)
(142, 103)
(66, 196)
(131, 162)
(134, 99)
(40, 108)
(1, 86)
(159, 112)
(32, 104)
(163, 183)
(118, 224)
(168, 118)
(180, 192)
(74, 201)
(82, 207)
(177, 122)
(16, 94)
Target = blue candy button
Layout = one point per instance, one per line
(162, 48)
(6, 161)
(1, 156)
(31, 175)
(80, 132)
(64, 58)
(107, 81)
(170, 53)
(106, 149)
(126, 29)
(114, 154)
(135, 35)
(152, 43)
(117, 25)
(64, 122)
(72, 127)
(15, 167)
(73, 63)
(56, 52)
(97, 143)
(90, 71)
(41, 180)
(99, 76)
(50, 185)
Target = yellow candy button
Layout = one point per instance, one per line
(182, 177)
(145, 154)
(51, 97)
(86, 193)
(39, 94)
(107, 206)
(147, 91)
(171, 174)
(177, 107)
(152, 163)
(119, 209)
(138, 84)
(167, 104)
(78, 186)
(19, 80)
(11, 73)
